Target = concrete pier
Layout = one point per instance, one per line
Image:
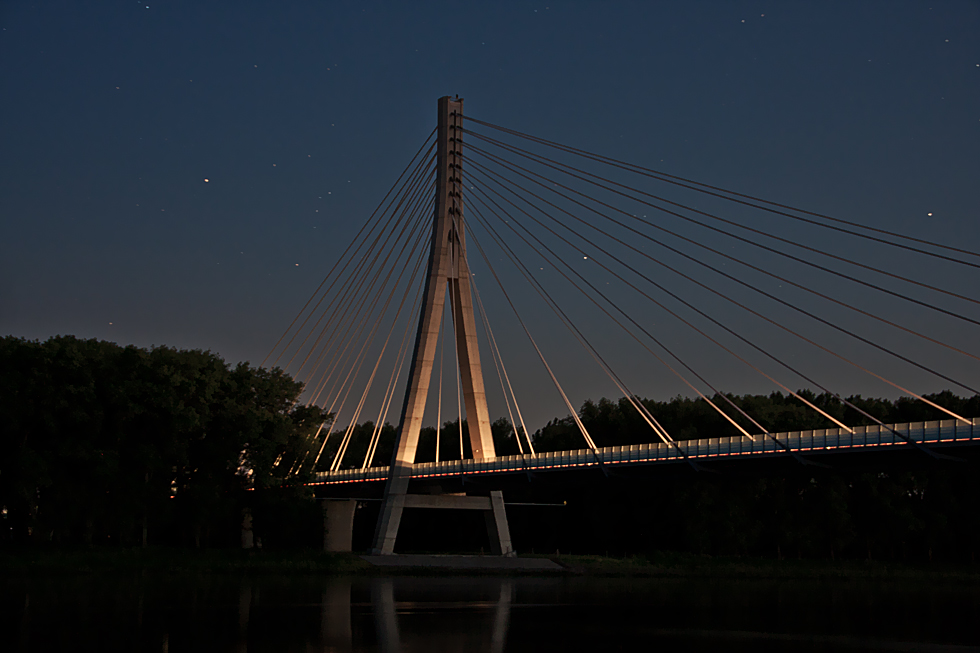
(338, 524)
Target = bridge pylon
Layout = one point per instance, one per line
(448, 271)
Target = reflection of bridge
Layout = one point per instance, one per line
(336, 631)
(345, 342)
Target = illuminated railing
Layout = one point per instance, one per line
(799, 442)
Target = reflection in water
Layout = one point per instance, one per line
(386, 609)
(244, 606)
(335, 627)
(25, 623)
(502, 616)
(383, 600)
(296, 613)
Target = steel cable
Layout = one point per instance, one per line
(417, 233)
(367, 388)
(582, 340)
(751, 242)
(568, 404)
(710, 267)
(784, 279)
(688, 323)
(699, 187)
(349, 316)
(358, 360)
(357, 239)
(722, 325)
(626, 315)
(410, 195)
(510, 388)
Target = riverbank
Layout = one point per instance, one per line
(52, 561)
(679, 565)
(59, 562)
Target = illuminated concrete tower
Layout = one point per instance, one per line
(448, 271)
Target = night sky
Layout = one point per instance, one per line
(185, 173)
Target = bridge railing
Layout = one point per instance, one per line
(801, 442)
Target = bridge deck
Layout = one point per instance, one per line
(799, 442)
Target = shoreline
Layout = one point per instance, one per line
(72, 562)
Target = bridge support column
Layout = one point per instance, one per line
(447, 270)
(338, 524)
(497, 527)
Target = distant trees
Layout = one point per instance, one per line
(103, 443)
(930, 510)
(107, 444)
(929, 513)
(449, 441)
(614, 423)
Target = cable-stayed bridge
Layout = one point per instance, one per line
(595, 268)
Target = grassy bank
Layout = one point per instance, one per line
(668, 564)
(54, 562)
(177, 561)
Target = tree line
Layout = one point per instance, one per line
(101, 443)
(928, 509)
(111, 444)
(616, 423)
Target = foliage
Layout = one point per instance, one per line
(923, 510)
(614, 423)
(107, 443)
(924, 514)
(450, 436)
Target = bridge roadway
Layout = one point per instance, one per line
(935, 435)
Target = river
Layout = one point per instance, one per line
(470, 614)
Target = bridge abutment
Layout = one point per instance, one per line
(497, 527)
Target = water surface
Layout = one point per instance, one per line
(294, 613)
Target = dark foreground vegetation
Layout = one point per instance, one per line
(930, 514)
(126, 447)
(109, 444)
